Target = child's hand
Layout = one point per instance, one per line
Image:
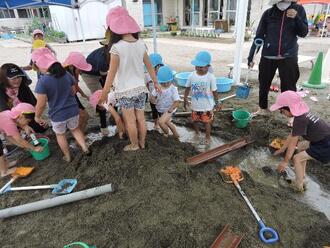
(218, 107)
(186, 104)
(28, 130)
(40, 121)
(157, 87)
(153, 99)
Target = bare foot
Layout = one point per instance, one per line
(131, 147)
(67, 158)
(8, 172)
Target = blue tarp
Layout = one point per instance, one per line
(15, 4)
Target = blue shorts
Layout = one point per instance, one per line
(136, 102)
(320, 150)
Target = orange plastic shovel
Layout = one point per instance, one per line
(19, 172)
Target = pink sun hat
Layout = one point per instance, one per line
(37, 31)
(40, 52)
(77, 60)
(120, 22)
(292, 100)
(20, 109)
(45, 61)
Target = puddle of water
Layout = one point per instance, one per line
(188, 136)
(314, 196)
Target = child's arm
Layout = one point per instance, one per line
(51, 49)
(185, 99)
(114, 63)
(291, 144)
(216, 100)
(80, 91)
(20, 142)
(174, 106)
(40, 107)
(151, 71)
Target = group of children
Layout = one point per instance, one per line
(132, 77)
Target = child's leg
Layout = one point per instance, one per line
(166, 117)
(173, 129)
(142, 127)
(80, 138)
(154, 114)
(300, 162)
(83, 119)
(118, 120)
(131, 126)
(207, 132)
(63, 143)
(4, 167)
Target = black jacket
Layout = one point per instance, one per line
(24, 95)
(280, 32)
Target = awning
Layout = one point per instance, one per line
(16, 4)
(314, 1)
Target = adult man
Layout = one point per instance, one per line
(278, 28)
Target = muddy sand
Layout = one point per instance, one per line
(159, 202)
(162, 202)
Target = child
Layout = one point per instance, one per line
(204, 94)
(10, 120)
(74, 64)
(128, 54)
(58, 88)
(110, 107)
(167, 101)
(156, 62)
(313, 129)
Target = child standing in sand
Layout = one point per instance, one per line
(204, 96)
(74, 64)
(126, 74)
(166, 101)
(312, 128)
(57, 87)
(157, 62)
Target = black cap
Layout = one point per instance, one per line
(15, 71)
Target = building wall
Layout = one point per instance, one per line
(136, 11)
(169, 9)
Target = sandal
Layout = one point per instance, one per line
(131, 148)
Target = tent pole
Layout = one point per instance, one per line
(81, 27)
(241, 24)
(325, 19)
(154, 33)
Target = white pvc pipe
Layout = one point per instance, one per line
(324, 22)
(56, 201)
(81, 27)
(241, 24)
(326, 68)
(154, 33)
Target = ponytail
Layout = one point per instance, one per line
(57, 70)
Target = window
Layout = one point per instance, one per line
(22, 13)
(189, 18)
(215, 10)
(7, 13)
(147, 13)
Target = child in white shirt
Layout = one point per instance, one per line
(167, 100)
(204, 94)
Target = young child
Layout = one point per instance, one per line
(309, 126)
(204, 94)
(18, 117)
(109, 105)
(57, 87)
(166, 101)
(74, 64)
(156, 62)
(128, 54)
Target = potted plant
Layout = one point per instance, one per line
(172, 23)
(248, 30)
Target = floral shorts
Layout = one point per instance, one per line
(205, 117)
(136, 102)
(61, 126)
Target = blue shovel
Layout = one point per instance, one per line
(232, 174)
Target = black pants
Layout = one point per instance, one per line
(289, 74)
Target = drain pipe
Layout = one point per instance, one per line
(56, 201)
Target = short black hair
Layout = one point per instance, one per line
(29, 116)
(285, 108)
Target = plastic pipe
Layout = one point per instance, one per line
(154, 33)
(56, 201)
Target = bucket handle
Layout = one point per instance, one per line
(80, 244)
(262, 232)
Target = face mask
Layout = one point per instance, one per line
(283, 5)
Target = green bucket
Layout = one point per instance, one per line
(242, 118)
(45, 153)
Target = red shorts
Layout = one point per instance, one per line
(205, 117)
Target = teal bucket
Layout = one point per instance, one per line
(45, 153)
(241, 118)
